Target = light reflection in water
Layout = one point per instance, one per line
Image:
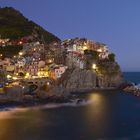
(98, 114)
(103, 118)
(11, 113)
(21, 120)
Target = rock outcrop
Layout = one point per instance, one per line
(81, 80)
(133, 89)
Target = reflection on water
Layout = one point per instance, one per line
(98, 115)
(19, 124)
(11, 113)
(109, 115)
(99, 107)
(1, 90)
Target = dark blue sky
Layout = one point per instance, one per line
(114, 22)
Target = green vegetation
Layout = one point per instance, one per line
(93, 54)
(10, 51)
(12, 33)
(108, 68)
(2, 76)
(91, 57)
(14, 25)
(111, 57)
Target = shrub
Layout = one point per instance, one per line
(111, 57)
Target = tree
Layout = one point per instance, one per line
(9, 51)
(94, 54)
(111, 57)
(2, 76)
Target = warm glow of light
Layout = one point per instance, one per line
(20, 53)
(47, 74)
(14, 78)
(15, 84)
(1, 55)
(39, 73)
(1, 90)
(85, 48)
(43, 74)
(50, 61)
(20, 42)
(9, 76)
(99, 50)
(27, 75)
(96, 97)
(94, 66)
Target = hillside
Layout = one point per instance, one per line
(14, 25)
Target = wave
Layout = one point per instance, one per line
(74, 103)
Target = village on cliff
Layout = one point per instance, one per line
(38, 63)
(36, 60)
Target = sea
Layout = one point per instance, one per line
(102, 115)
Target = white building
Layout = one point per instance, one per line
(21, 62)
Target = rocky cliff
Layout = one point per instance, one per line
(85, 80)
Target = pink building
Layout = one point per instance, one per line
(59, 71)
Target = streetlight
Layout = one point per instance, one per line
(94, 66)
(27, 75)
(85, 48)
(50, 61)
(20, 53)
(14, 78)
(99, 50)
(9, 76)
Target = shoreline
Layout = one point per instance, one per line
(34, 101)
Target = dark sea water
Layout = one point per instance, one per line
(106, 115)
